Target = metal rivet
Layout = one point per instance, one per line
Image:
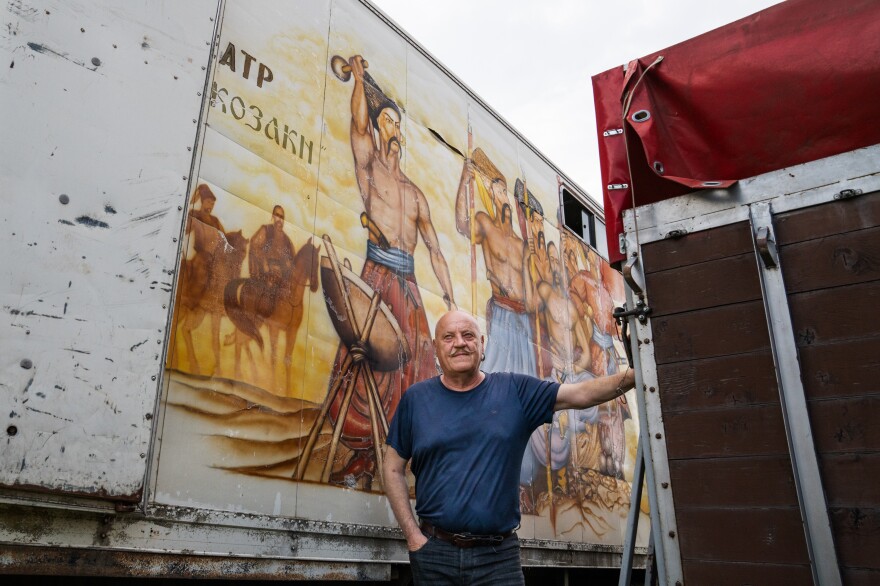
(148, 416)
(143, 455)
(26, 363)
(153, 377)
(652, 389)
(179, 208)
(658, 435)
(174, 239)
(11, 430)
(672, 534)
(64, 199)
(647, 341)
(664, 484)
(96, 62)
(158, 341)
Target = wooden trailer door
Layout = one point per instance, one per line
(760, 364)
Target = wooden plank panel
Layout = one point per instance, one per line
(720, 282)
(851, 480)
(720, 331)
(743, 535)
(860, 577)
(847, 368)
(698, 247)
(746, 431)
(846, 425)
(744, 574)
(857, 536)
(826, 219)
(841, 259)
(733, 482)
(841, 313)
(727, 381)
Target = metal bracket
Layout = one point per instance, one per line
(615, 186)
(613, 132)
(848, 194)
(632, 274)
(641, 311)
(766, 247)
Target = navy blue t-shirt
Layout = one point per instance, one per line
(467, 448)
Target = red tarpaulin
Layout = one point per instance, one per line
(794, 83)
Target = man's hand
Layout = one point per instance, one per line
(417, 541)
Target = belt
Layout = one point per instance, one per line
(465, 539)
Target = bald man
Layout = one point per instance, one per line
(465, 432)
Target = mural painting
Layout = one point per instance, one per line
(348, 194)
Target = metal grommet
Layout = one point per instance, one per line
(641, 116)
(711, 183)
(658, 167)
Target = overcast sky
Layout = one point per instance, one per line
(532, 60)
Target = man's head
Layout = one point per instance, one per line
(553, 254)
(207, 197)
(458, 343)
(387, 122)
(499, 193)
(278, 217)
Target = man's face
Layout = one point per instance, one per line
(553, 253)
(571, 264)
(389, 131)
(506, 214)
(458, 344)
(536, 224)
(278, 218)
(499, 193)
(208, 204)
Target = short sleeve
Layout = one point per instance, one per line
(537, 398)
(400, 431)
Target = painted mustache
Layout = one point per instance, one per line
(391, 141)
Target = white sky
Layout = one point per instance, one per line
(532, 61)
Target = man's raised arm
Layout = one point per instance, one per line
(362, 145)
(594, 391)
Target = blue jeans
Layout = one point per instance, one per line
(439, 562)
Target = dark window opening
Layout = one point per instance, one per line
(578, 218)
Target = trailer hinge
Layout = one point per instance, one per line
(615, 186)
(766, 247)
(848, 194)
(613, 132)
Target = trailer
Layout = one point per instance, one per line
(741, 172)
(210, 309)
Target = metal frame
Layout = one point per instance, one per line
(787, 189)
(632, 520)
(798, 431)
(754, 200)
(656, 460)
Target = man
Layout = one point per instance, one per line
(507, 322)
(465, 432)
(199, 291)
(565, 331)
(271, 250)
(397, 214)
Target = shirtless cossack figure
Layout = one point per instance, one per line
(398, 215)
